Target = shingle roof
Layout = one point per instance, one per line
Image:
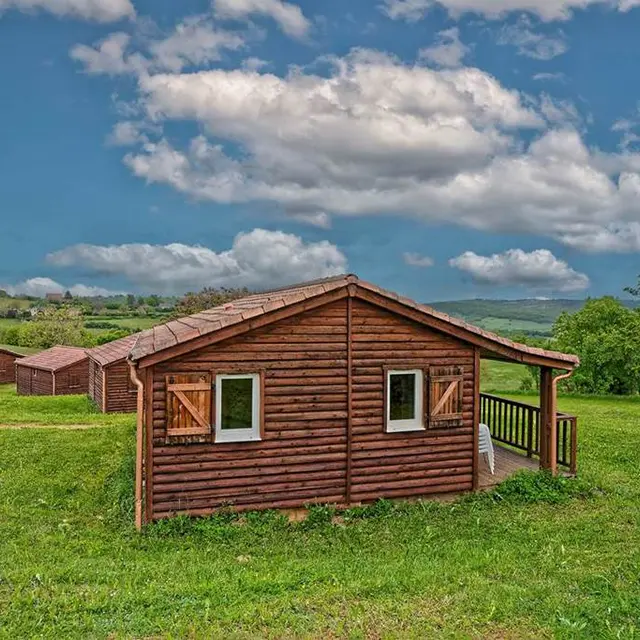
(55, 358)
(179, 331)
(111, 352)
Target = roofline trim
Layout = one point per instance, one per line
(353, 287)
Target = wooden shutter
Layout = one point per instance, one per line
(188, 404)
(445, 397)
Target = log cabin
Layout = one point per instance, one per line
(56, 371)
(8, 365)
(110, 385)
(332, 391)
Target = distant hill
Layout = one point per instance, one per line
(531, 316)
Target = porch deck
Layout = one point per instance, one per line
(507, 462)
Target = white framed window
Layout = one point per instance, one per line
(405, 400)
(237, 407)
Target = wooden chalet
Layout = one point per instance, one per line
(55, 372)
(332, 391)
(8, 365)
(110, 385)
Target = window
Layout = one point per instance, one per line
(237, 407)
(405, 393)
(73, 380)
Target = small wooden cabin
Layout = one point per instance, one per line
(333, 391)
(110, 385)
(55, 372)
(8, 365)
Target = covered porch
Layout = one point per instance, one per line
(528, 436)
(521, 441)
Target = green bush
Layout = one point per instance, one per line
(605, 334)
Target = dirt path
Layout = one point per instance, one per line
(51, 426)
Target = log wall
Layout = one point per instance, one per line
(96, 385)
(412, 463)
(303, 456)
(120, 395)
(33, 382)
(64, 377)
(7, 367)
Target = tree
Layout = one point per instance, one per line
(53, 326)
(605, 334)
(131, 301)
(634, 291)
(154, 300)
(206, 299)
(67, 295)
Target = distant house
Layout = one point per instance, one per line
(54, 372)
(8, 365)
(110, 385)
(54, 297)
(332, 391)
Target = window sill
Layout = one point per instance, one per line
(402, 429)
(226, 438)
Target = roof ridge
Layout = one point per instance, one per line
(347, 277)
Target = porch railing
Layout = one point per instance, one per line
(518, 425)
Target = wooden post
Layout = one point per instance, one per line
(347, 492)
(548, 426)
(476, 416)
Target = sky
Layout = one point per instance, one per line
(444, 150)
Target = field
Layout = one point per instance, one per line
(25, 351)
(534, 559)
(502, 325)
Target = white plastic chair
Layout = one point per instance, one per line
(485, 445)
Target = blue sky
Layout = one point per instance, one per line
(444, 150)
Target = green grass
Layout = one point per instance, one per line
(49, 410)
(537, 559)
(6, 323)
(501, 377)
(141, 322)
(514, 325)
(23, 350)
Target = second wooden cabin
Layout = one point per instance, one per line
(56, 371)
(110, 385)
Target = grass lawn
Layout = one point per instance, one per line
(560, 560)
(506, 324)
(27, 351)
(49, 410)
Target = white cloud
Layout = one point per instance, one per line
(538, 46)
(613, 238)
(126, 134)
(254, 64)
(94, 10)
(561, 112)
(39, 287)
(375, 137)
(106, 56)
(449, 50)
(195, 41)
(288, 16)
(257, 259)
(416, 260)
(538, 269)
(542, 77)
(547, 10)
